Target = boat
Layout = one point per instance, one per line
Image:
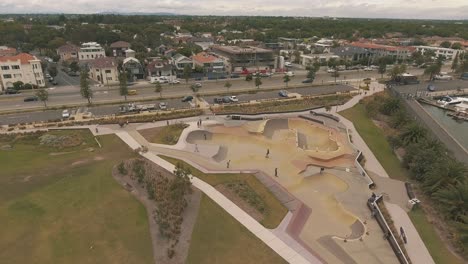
(447, 100)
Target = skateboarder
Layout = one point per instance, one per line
(276, 172)
(267, 153)
(228, 164)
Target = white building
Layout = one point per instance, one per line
(91, 51)
(104, 70)
(310, 59)
(448, 53)
(22, 67)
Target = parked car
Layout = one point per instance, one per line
(12, 91)
(307, 81)
(162, 106)
(341, 68)
(218, 100)
(443, 76)
(290, 74)
(198, 85)
(31, 99)
(288, 64)
(431, 88)
(283, 93)
(174, 82)
(51, 79)
(331, 70)
(266, 74)
(235, 76)
(368, 69)
(199, 78)
(132, 92)
(233, 98)
(47, 75)
(187, 98)
(72, 73)
(65, 113)
(226, 99)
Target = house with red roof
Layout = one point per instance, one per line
(68, 52)
(209, 62)
(104, 70)
(23, 67)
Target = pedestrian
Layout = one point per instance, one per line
(196, 148)
(167, 122)
(321, 170)
(267, 154)
(97, 131)
(204, 135)
(276, 172)
(228, 164)
(127, 122)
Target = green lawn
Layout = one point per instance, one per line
(375, 139)
(218, 238)
(168, 135)
(436, 247)
(67, 208)
(275, 211)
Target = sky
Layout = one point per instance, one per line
(408, 9)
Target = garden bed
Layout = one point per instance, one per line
(168, 135)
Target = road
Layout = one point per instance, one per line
(69, 94)
(439, 86)
(172, 104)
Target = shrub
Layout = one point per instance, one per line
(121, 168)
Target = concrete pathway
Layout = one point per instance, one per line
(267, 236)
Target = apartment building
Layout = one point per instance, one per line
(208, 62)
(447, 53)
(104, 70)
(119, 47)
(91, 51)
(239, 59)
(68, 52)
(396, 52)
(22, 67)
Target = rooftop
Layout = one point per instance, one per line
(23, 57)
(120, 44)
(204, 57)
(68, 48)
(103, 62)
(241, 50)
(368, 45)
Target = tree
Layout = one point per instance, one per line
(85, 90)
(158, 89)
(413, 134)
(258, 81)
(74, 67)
(335, 74)
(227, 85)
(432, 70)
(43, 96)
(454, 200)
(457, 45)
(445, 44)
(123, 88)
(286, 79)
(249, 77)
(187, 72)
(382, 69)
(194, 88)
(454, 64)
(18, 85)
(52, 69)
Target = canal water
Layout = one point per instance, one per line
(458, 129)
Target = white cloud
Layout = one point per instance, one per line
(432, 9)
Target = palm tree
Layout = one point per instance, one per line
(413, 134)
(446, 172)
(453, 200)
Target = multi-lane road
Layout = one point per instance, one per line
(174, 103)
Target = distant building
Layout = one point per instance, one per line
(396, 52)
(134, 67)
(447, 53)
(180, 61)
(22, 67)
(104, 70)
(68, 52)
(118, 48)
(351, 53)
(159, 67)
(91, 51)
(310, 59)
(6, 51)
(239, 59)
(208, 62)
(288, 43)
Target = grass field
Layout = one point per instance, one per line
(66, 207)
(218, 238)
(375, 139)
(275, 211)
(436, 247)
(168, 135)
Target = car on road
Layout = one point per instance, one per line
(443, 76)
(233, 98)
(174, 82)
(331, 70)
(226, 99)
(188, 98)
(132, 92)
(431, 88)
(65, 113)
(266, 74)
(71, 73)
(235, 76)
(290, 74)
(47, 75)
(368, 69)
(288, 64)
(307, 81)
(12, 91)
(31, 99)
(198, 85)
(218, 100)
(283, 93)
(162, 105)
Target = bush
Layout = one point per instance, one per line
(121, 168)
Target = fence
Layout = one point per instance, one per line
(357, 160)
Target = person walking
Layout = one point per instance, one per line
(276, 172)
(267, 154)
(228, 164)
(196, 148)
(204, 135)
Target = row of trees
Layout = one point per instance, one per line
(441, 177)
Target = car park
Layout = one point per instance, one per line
(65, 113)
(218, 100)
(31, 99)
(233, 98)
(162, 106)
(187, 98)
(283, 93)
(307, 81)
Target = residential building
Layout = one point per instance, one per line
(288, 43)
(68, 52)
(118, 48)
(396, 52)
(91, 51)
(447, 53)
(323, 45)
(158, 67)
(239, 59)
(6, 51)
(351, 53)
(134, 67)
(104, 70)
(209, 62)
(22, 67)
(180, 61)
(130, 53)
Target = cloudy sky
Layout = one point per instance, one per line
(432, 9)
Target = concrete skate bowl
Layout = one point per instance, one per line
(196, 136)
(273, 125)
(313, 137)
